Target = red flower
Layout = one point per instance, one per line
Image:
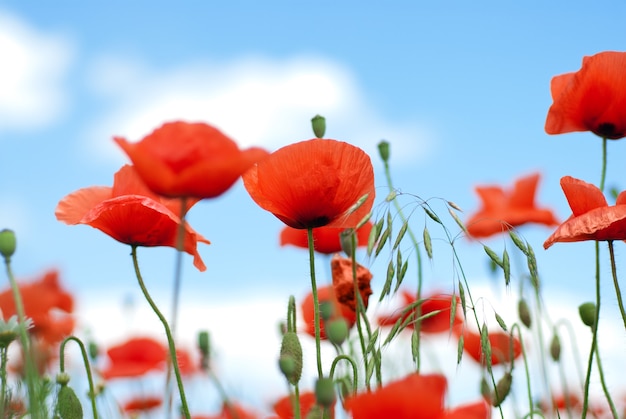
(229, 411)
(503, 209)
(343, 281)
(130, 213)
(44, 302)
(325, 294)
(439, 304)
(413, 397)
(135, 357)
(189, 159)
(591, 99)
(504, 348)
(592, 218)
(314, 183)
(142, 404)
(325, 239)
(284, 407)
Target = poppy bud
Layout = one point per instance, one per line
(325, 392)
(68, 406)
(319, 126)
(587, 313)
(383, 150)
(327, 310)
(345, 239)
(503, 387)
(291, 349)
(555, 348)
(204, 343)
(7, 243)
(337, 331)
(524, 313)
(316, 412)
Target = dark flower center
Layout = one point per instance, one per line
(608, 130)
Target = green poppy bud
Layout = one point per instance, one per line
(68, 406)
(345, 239)
(8, 243)
(587, 313)
(316, 412)
(524, 313)
(204, 343)
(327, 310)
(337, 331)
(325, 392)
(319, 126)
(383, 150)
(503, 388)
(555, 348)
(291, 349)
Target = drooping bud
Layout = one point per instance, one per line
(319, 126)
(68, 406)
(555, 348)
(524, 313)
(204, 343)
(587, 313)
(345, 239)
(383, 150)
(503, 388)
(325, 392)
(8, 243)
(337, 330)
(290, 360)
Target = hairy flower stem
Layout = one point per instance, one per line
(3, 380)
(168, 333)
(31, 372)
(616, 283)
(514, 328)
(83, 351)
(594, 337)
(603, 171)
(316, 303)
(418, 254)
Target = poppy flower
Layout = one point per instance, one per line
(181, 159)
(325, 239)
(134, 358)
(592, 218)
(314, 183)
(142, 404)
(439, 304)
(47, 304)
(130, 213)
(325, 294)
(284, 406)
(343, 281)
(501, 349)
(412, 397)
(229, 411)
(591, 99)
(502, 209)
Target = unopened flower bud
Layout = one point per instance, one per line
(8, 242)
(319, 126)
(524, 313)
(204, 343)
(587, 313)
(92, 348)
(316, 412)
(325, 392)
(291, 349)
(327, 310)
(383, 150)
(503, 388)
(345, 239)
(337, 330)
(68, 405)
(555, 348)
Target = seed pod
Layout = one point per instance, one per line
(555, 348)
(291, 349)
(318, 124)
(503, 388)
(383, 150)
(524, 313)
(587, 313)
(8, 243)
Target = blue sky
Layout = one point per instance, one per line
(460, 89)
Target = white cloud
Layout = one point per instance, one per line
(255, 100)
(31, 75)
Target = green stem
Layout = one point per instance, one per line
(355, 380)
(31, 371)
(521, 341)
(414, 242)
(168, 333)
(92, 390)
(605, 389)
(316, 303)
(603, 172)
(616, 283)
(3, 379)
(594, 337)
(297, 414)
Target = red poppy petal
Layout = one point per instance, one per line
(582, 196)
(477, 410)
(523, 194)
(73, 207)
